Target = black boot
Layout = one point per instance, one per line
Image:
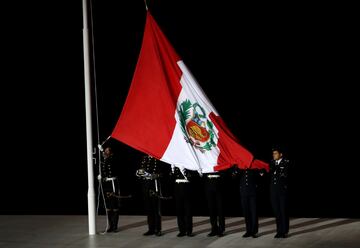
(110, 215)
(115, 221)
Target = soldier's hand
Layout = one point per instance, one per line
(155, 176)
(99, 177)
(262, 172)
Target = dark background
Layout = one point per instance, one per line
(277, 74)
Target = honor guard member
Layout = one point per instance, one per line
(213, 190)
(183, 199)
(150, 172)
(110, 186)
(279, 170)
(248, 191)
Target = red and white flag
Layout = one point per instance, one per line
(168, 116)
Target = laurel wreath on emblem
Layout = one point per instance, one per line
(197, 128)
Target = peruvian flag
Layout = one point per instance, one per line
(168, 116)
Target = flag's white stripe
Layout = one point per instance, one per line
(179, 152)
(192, 87)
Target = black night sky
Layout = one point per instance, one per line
(277, 74)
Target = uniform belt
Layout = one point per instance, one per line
(182, 181)
(107, 179)
(212, 176)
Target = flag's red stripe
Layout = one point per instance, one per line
(147, 121)
(231, 152)
(258, 164)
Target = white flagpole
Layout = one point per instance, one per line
(89, 138)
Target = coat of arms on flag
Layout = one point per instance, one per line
(197, 128)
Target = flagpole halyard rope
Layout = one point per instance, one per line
(100, 188)
(94, 71)
(146, 7)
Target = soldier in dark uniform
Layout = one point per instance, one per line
(279, 170)
(110, 185)
(213, 190)
(183, 199)
(150, 172)
(248, 191)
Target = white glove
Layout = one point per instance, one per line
(100, 148)
(99, 177)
